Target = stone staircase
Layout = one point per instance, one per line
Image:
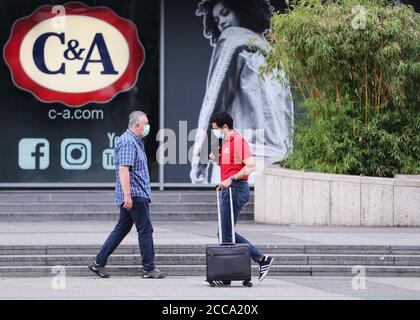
(98, 205)
(189, 260)
(178, 260)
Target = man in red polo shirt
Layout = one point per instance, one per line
(236, 163)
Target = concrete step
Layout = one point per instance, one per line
(200, 270)
(8, 197)
(200, 259)
(200, 249)
(159, 207)
(112, 216)
(32, 206)
(184, 260)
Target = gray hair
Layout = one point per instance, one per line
(134, 118)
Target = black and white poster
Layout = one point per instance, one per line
(213, 54)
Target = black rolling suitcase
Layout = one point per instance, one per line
(228, 262)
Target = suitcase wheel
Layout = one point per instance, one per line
(247, 283)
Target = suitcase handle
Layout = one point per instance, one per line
(231, 217)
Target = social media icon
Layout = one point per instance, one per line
(34, 154)
(108, 159)
(76, 154)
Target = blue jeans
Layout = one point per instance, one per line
(240, 196)
(139, 214)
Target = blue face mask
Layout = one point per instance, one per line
(218, 134)
(146, 130)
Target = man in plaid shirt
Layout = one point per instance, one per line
(133, 196)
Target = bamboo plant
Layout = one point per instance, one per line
(356, 66)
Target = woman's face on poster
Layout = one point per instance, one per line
(224, 17)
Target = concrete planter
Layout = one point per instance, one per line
(288, 197)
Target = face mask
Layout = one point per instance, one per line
(146, 130)
(218, 134)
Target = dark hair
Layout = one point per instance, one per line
(221, 119)
(253, 14)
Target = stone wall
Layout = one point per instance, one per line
(289, 197)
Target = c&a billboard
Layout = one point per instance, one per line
(76, 72)
(74, 54)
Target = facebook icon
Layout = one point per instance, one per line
(34, 154)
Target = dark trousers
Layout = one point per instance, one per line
(240, 196)
(140, 216)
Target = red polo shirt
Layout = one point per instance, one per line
(233, 152)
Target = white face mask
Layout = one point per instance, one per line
(146, 130)
(218, 134)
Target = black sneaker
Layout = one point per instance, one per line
(98, 270)
(154, 274)
(265, 265)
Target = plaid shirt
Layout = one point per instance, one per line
(129, 151)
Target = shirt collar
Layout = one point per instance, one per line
(138, 139)
(232, 136)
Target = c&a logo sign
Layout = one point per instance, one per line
(76, 55)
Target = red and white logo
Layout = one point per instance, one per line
(74, 55)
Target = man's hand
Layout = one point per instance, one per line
(224, 184)
(128, 202)
(125, 184)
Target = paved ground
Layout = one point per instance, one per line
(198, 232)
(180, 288)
